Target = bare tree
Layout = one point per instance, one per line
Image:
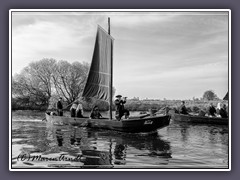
(28, 92)
(32, 87)
(42, 81)
(69, 79)
(41, 72)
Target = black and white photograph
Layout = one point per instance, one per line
(120, 90)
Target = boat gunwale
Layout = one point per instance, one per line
(115, 120)
(201, 117)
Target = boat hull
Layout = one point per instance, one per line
(199, 119)
(134, 125)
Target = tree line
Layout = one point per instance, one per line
(40, 84)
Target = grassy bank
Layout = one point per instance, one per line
(140, 105)
(192, 105)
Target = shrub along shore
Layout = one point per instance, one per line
(193, 106)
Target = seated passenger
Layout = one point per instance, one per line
(167, 110)
(201, 113)
(183, 109)
(219, 106)
(126, 114)
(73, 109)
(95, 114)
(79, 110)
(53, 114)
(223, 111)
(211, 111)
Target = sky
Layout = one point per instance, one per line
(156, 55)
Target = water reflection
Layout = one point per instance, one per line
(184, 132)
(59, 137)
(96, 159)
(108, 148)
(176, 146)
(120, 153)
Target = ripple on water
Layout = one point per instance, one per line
(175, 146)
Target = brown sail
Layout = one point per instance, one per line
(98, 82)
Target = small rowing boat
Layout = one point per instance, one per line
(199, 119)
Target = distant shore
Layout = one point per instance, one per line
(141, 106)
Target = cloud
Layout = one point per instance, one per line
(168, 53)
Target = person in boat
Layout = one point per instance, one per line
(79, 110)
(211, 110)
(221, 110)
(167, 110)
(59, 107)
(53, 114)
(95, 114)
(126, 114)
(73, 109)
(219, 106)
(120, 110)
(225, 110)
(183, 109)
(201, 112)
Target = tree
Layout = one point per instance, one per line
(43, 81)
(28, 92)
(209, 95)
(32, 87)
(69, 79)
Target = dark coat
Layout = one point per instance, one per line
(183, 109)
(95, 115)
(223, 113)
(59, 105)
(59, 108)
(212, 111)
(119, 107)
(119, 104)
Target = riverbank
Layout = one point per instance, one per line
(39, 115)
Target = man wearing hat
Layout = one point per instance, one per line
(59, 107)
(120, 111)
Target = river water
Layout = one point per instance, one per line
(178, 146)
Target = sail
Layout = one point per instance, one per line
(226, 97)
(99, 77)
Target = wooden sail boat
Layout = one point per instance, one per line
(99, 85)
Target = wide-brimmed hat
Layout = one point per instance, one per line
(118, 96)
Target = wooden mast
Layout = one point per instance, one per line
(111, 72)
